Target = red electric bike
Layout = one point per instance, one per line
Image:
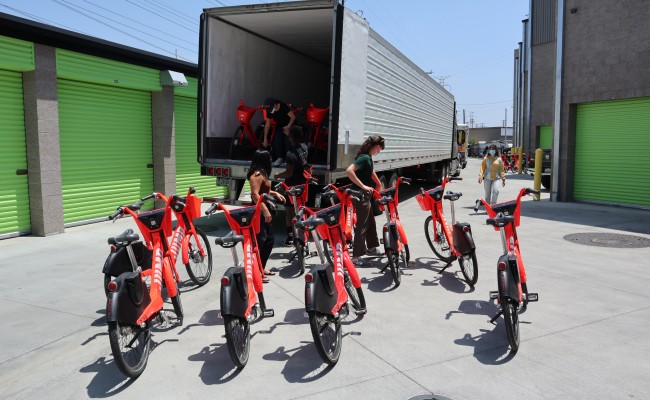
(242, 288)
(512, 293)
(244, 132)
(449, 243)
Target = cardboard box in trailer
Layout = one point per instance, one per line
(320, 53)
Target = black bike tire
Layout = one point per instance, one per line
(443, 238)
(141, 353)
(196, 278)
(393, 263)
(471, 281)
(235, 143)
(329, 357)
(357, 299)
(107, 279)
(511, 318)
(408, 254)
(239, 350)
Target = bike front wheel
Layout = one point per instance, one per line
(199, 267)
(130, 347)
(437, 242)
(512, 322)
(355, 295)
(328, 336)
(469, 267)
(238, 339)
(393, 264)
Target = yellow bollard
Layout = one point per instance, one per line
(537, 182)
(520, 152)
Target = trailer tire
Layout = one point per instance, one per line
(382, 179)
(546, 181)
(393, 180)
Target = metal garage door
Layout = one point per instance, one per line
(14, 192)
(188, 170)
(612, 147)
(15, 56)
(106, 134)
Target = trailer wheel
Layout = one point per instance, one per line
(382, 179)
(393, 180)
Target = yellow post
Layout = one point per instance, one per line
(537, 182)
(520, 151)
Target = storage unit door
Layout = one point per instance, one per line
(612, 146)
(106, 150)
(14, 193)
(546, 137)
(188, 170)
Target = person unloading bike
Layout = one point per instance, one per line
(284, 118)
(294, 174)
(258, 176)
(492, 175)
(362, 174)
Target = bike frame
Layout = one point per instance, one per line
(508, 233)
(162, 262)
(315, 117)
(350, 213)
(245, 115)
(390, 210)
(252, 260)
(437, 213)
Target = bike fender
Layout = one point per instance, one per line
(508, 284)
(463, 241)
(321, 293)
(234, 297)
(118, 261)
(121, 306)
(389, 237)
(185, 249)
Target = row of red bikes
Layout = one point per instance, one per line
(137, 270)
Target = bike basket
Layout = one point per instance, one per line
(315, 116)
(507, 208)
(153, 221)
(193, 207)
(245, 113)
(422, 201)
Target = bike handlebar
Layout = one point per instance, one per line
(214, 207)
(310, 223)
(455, 178)
(120, 210)
(151, 196)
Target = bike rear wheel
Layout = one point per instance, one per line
(469, 267)
(328, 336)
(438, 244)
(355, 295)
(393, 264)
(199, 268)
(300, 255)
(237, 139)
(512, 322)
(130, 347)
(238, 339)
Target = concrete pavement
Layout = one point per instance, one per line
(588, 336)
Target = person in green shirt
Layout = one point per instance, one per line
(362, 174)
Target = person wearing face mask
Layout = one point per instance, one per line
(492, 175)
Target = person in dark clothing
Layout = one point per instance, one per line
(258, 177)
(284, 118)
(362, 174)
(294, 173)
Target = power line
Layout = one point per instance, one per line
(172, 11)
(40, 19)
(60, 2)
(482, 104)
(162, 16)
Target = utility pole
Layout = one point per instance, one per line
(463, 115)
(505, 127)
(471, 119)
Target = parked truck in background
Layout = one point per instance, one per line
(319, 52)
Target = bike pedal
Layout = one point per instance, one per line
(494, 295)
(532, 297)
(361, 311)
(268, 313)
(381, 241)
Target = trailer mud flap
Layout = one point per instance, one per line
(234, 296)
(321, 293)
(129, 301)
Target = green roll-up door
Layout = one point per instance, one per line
(16, 55)
(612, 147)
(14, 192)
(545, 137)
(106, 150)
(188, 170)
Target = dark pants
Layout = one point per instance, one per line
(365, 232)
(280, 143)
(265, 240)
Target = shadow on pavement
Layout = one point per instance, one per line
(450, 280)
(217, 366)
(303, 364)
(108, 380)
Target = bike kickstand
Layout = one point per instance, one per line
(496, 316)
(385, 266)
(446, 266)
(295, 253)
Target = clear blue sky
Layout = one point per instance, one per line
(467, 44)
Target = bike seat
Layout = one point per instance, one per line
(506, 208)
(452, 196)
(296, 191)
(330, 215)
(436, 193)
(388, 192)
(356, 194)
(126, 237)
(384, 200)
(310, 223)
(229, 240)
(500, 220)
